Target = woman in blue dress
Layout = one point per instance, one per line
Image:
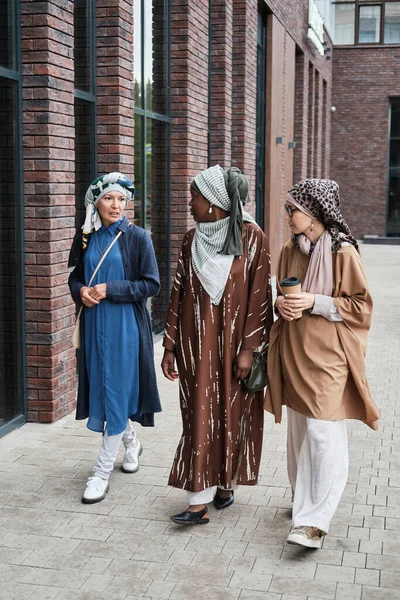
(117, 382)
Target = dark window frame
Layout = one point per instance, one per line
(143, 117)
(261, 117)
(394, 102)
(91, 97)
(357, 5)
(145, 113)
(15, 74)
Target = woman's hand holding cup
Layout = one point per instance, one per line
(299, 302)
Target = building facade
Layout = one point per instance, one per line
(158, 90)
(366, 123)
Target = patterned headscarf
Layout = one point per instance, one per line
(227, 190)
(321, 198)
(216, 243)
(113, 182)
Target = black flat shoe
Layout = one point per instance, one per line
(221, 503)
(191, 518)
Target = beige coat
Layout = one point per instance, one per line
(317, 367)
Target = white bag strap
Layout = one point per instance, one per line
(103, 257)
(99, 265)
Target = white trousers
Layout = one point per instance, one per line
(109, 450)
(206, 496)
(318, 464)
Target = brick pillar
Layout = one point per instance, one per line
(48, 91)
(115, 86)
(189, 109)
(301, 118)
(311, 120)
(221, 84)
(318, 118)
(326, 136)
(244, 89)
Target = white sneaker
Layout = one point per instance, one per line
(310, 537)
(96, 490)
(131, 459)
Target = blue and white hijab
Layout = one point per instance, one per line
(112, 182)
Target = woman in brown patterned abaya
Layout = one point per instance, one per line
(219, 313)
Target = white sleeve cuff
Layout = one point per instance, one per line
(324, 306)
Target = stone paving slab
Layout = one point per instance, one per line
(54, 547)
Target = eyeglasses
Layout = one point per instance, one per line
(290, 210)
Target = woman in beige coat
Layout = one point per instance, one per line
(316, 363)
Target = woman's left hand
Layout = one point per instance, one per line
(99, 291)
(300, 301)
(242, 364)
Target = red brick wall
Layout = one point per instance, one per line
(300, 155)
(221, 83)
(363, 81)
(115, 86)
(189, 109)
(48, 85)
(244, 105)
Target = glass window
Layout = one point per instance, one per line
(85, 103)
(11, 400)
(344, 23)
(395, 153)
(392, 23)
(151, 100)
(138, 170)
(85, 170)
(393, 204)
(82, 41)
(157, 209)
(137, 53)
(7, 34)
(155, 55)
(369, 24)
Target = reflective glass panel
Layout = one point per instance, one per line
(344, 24)
(11, 403)
(157, 209)
(82, 41)
(84, 158)
(393, 214)
(395, 153)
(392, 23)
(155, 56)
(7, 34)
(138, 170)
(370, 23)
(137, 53)
(393, 205)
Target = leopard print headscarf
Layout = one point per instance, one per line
(321, 198)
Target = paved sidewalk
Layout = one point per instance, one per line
(125, 548)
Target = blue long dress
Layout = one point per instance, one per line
(111, 342)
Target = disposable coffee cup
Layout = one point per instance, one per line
(292, 285)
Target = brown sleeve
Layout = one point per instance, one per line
(259, 308)
(173, 314)
(352, 297)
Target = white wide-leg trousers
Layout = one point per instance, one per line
(318, 462)
(109, 450)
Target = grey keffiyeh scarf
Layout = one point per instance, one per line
(215, 244)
